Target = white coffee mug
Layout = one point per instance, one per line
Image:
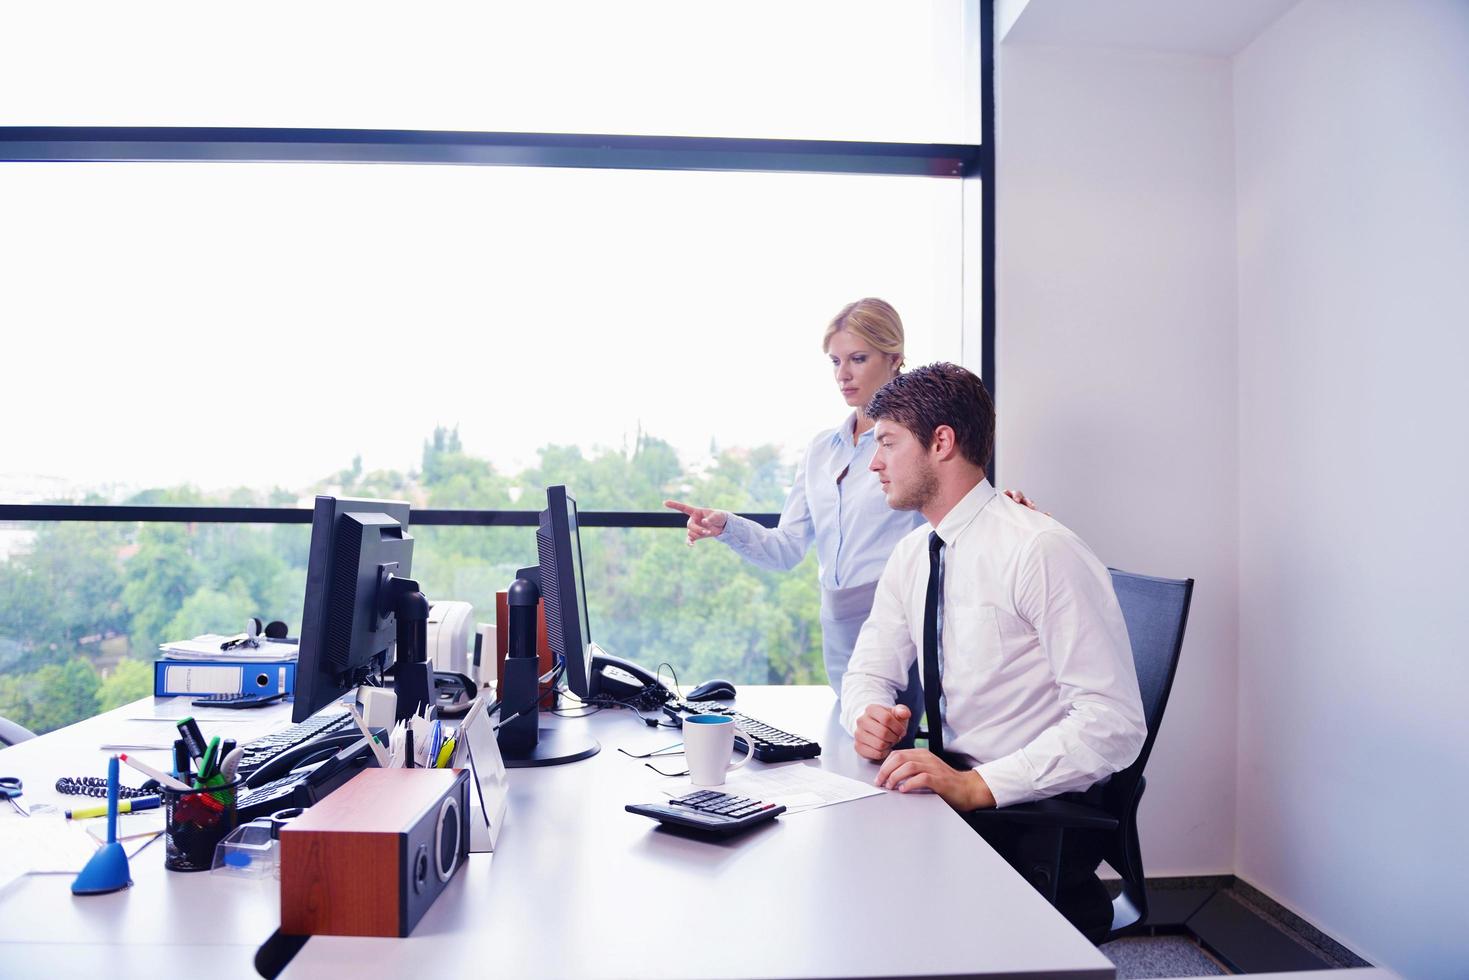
(708, 742)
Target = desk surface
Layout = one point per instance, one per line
(889, 885)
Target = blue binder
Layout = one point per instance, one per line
(173, 678)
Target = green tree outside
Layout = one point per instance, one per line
(52, 697)
(129, 680)
(701, 610)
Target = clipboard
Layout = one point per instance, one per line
(489, 794)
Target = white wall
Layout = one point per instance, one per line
(1116, 368)
(1352, 125)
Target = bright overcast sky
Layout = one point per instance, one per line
(260, 324)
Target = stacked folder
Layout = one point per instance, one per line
(204, 665)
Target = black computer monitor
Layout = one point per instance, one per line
(556, 581)
(563, 588)
(360, 602)
(591, 673)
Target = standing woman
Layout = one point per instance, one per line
(837, 502)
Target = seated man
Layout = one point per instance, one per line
(1028, 679)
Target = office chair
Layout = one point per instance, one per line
(1156, 612)
(10, 733)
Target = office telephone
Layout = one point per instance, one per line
(626, 682)
(304, 774)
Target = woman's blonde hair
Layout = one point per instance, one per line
(872, 319)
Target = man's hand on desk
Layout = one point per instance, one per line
(913, 769)
(879, 728)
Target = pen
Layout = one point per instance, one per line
(164, 779)
(123, 806)
(378, 751)
(193, 737)
(183, 763)
(206, 765)
(408, 748)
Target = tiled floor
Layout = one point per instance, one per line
(1137, 957)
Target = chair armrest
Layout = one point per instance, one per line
(1046, 813)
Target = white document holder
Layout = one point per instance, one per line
(488, 791)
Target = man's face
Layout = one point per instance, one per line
(902, 466)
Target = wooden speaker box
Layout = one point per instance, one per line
(543, 647)
(371, 858)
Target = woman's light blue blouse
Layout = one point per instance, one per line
(849, 519)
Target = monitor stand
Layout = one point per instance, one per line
(413, 675)
(523, 744)
(553, 747)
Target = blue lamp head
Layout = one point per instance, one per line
(107, 871)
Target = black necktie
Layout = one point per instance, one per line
(932, 683)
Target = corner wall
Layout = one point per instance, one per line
(1352, 122)
(1116, 361)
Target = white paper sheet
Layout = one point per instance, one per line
(172, 709)
(42, 845)
(208, 647)
(129, 826)
(144, 734)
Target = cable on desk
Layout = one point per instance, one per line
(276, 953)
(97, 786)
(601, 703)
(671, 673)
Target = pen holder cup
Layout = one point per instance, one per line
(194, 822)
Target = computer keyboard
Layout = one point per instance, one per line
(710, 812)
(771, 744)
(260, 751)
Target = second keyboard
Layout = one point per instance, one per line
(771, 743)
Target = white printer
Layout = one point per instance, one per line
(449, 627)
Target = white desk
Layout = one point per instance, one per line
(890, 885)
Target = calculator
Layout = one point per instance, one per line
(710, 812)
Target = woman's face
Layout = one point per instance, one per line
(859, 370)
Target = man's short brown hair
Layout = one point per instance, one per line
(940, 394)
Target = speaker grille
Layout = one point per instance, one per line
(341, 591)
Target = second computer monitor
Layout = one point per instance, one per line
(563, 589)
(347, 631)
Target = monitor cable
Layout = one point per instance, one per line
(552, 676)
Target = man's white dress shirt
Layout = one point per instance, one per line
(1040, 691)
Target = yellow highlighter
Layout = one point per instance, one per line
(123, 806)
(446, 752)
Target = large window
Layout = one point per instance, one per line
(819, 69)
(189, 329)
(257, 326)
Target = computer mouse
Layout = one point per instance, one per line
(713, 690)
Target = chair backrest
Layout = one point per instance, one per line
(11, 733)
(1156, 612)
